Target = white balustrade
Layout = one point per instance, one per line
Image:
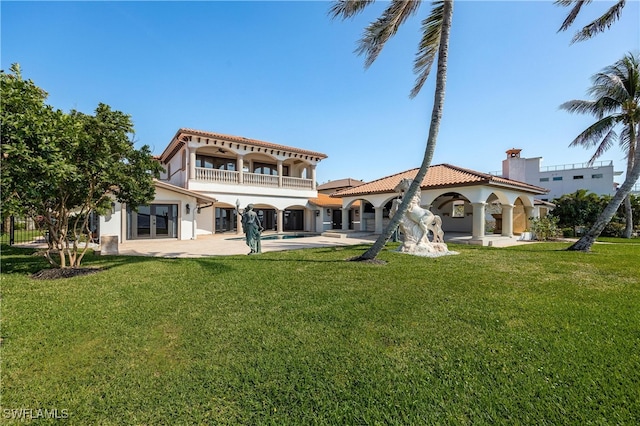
(252, 179)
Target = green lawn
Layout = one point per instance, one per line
(524, 335)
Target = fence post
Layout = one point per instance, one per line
(12, 230)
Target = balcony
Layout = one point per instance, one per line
(252, 179)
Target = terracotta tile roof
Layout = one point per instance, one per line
(340, 183)
(201, 198)
(439, 176)
(325, 201)
(254, 142)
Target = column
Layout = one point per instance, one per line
(477, 232)
(279, 173)
(240, 167)
(507, 220)
(280, 221)
(345, 219)
(378, 219)
(313, 177)
(192, 163)
(528, 211)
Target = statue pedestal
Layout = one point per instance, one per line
(426, 249)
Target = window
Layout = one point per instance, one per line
(557, 178)
(269, 169)
(458, 209)
(209, 162)
(597, 176)
(578, 177)
(544, 179)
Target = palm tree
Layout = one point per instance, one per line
(435, 41)
(596, 26)
(616, 92)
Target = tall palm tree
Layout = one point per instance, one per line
(596, 26)
(434, 42)
(616, 92)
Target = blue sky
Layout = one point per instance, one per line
(284, 72)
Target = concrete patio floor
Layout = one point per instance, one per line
(234, 244)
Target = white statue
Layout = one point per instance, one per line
(416, 224)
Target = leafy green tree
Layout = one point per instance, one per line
(58, 168)
(596, 26)
(434, 43)
(615, 104)
(577, 210)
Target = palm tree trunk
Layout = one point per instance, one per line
(628, 210)
(436, 117)
(628, 214)
(585, 243)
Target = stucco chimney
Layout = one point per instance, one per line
(514, 167)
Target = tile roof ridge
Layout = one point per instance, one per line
(470, 171)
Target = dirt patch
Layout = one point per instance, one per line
(58, 273)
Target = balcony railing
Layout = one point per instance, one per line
(253, 179)
(260, 180)
(296, 183)
(215, 175)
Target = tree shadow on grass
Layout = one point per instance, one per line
(31, 262)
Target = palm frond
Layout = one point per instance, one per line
(593, 134)
(600, 24)
(347, 8)
(604, 145)
(380, 31)
(609, 85)
(428, 47)
(577, 106)
(575, 10)
(624, 140)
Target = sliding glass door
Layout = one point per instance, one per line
(153, 221)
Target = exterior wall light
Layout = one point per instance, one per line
(317, 212)
(188, 208)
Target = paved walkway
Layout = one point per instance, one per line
(232, 244)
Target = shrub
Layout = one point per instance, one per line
(613, 229)
(545, 228)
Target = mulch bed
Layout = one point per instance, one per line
(58, 273)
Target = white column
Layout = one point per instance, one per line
(279, 173)
(360, 215)
(192, 163)
(240, 167)
(280, 221)
(529, 212)
(378, 219)
(477, 232)
(345, 219)
(507, 220)
(313, 177)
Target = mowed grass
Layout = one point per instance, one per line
(524, 335)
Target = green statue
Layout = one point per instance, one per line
(252, 228)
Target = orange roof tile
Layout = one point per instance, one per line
(439, 176)
(256, 142)
(325, 201)
(340, 183)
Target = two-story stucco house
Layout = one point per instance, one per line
(207, 175)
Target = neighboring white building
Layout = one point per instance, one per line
(563, 179)
(207, 175)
